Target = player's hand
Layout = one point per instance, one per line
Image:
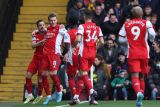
(42, 42)
(35, 31)
(66, 57)
(74, 51)
(61, 26)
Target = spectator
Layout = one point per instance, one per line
(154, 21)
(120, 83)
(108, 52)
(101, 77)
(121, 64)
(114, 38)
(76, 10)
(111, 26)
(110, 11)
(147, 11)
(127, 10)
(118, 10)
(154, 4)
(98, 15)
(154, 77)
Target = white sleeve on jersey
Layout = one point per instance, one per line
(122, 38)
(65, 35)
(122, 32)
(100, 32)
(80, 30)
(150, 31)
(66, 38)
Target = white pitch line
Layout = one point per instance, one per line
(69, 105)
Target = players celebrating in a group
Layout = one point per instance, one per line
(136, 31)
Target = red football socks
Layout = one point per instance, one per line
(72, 86)
(40, 88)
(142, 85)
(136, 84)
(29, 85)
(46, 85)
(56, 82)
(87, 82)
(80, 85)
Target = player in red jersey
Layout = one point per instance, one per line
(87, 36)
(52, 53)
(34, 66)
(71, 57)
(136, 31)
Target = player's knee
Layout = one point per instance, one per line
(44, 73)
(53, 73)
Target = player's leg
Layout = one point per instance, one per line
(29, 87)
(32, 69)
(85, 65)
(55, 62)
(71, 72)
(144, 71)
(46, 87)
(44, 73)
(135, 68)
(40, 89)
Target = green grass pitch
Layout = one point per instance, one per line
(146, 103)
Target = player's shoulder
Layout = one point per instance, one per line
(72, 31)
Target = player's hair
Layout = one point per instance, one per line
(137, 12)
(88, 14)
(51, 15)
(38, 21)
(73, 20)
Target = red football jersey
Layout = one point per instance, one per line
(137, 35)
(53, 40)
(90, 32)
(73, 57)
(36, 38)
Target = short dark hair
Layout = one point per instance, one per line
(73, 20)
(38, 21)
(88, 14)
(51, 15)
